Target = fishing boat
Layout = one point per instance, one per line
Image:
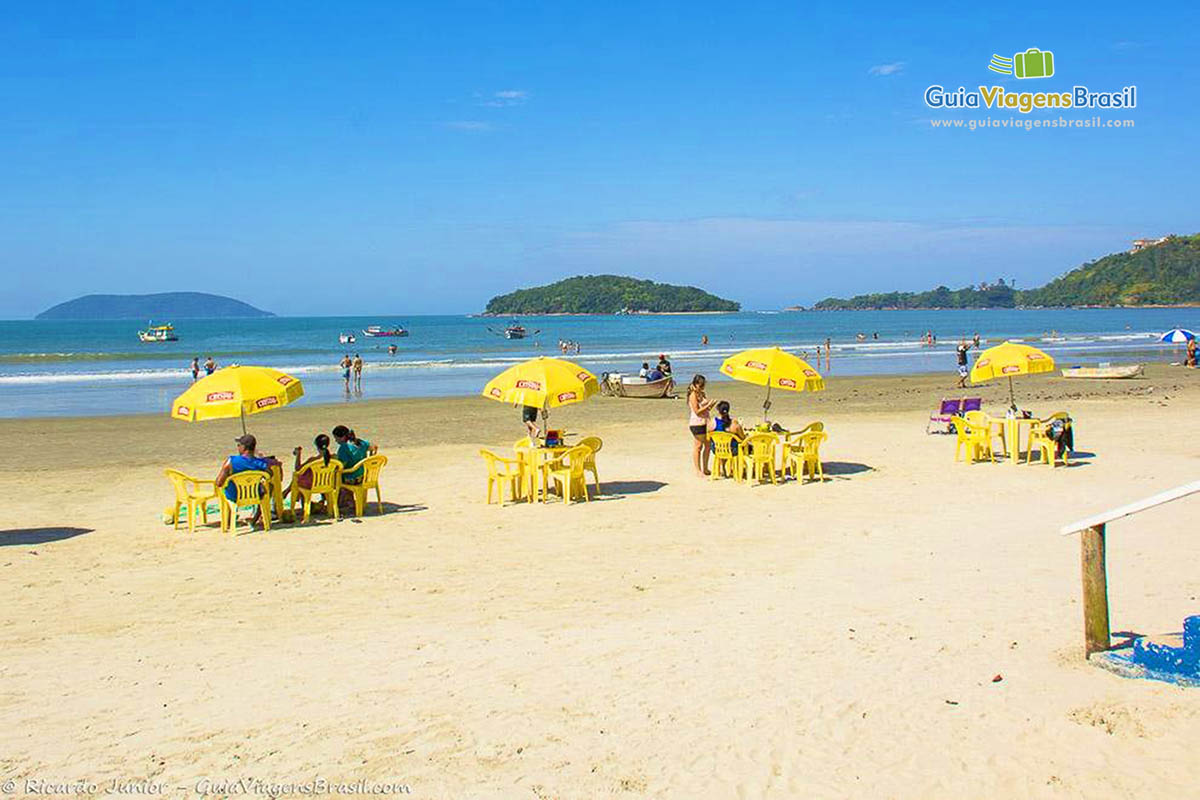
(615, 384)
(375, 331)
(1105, 371)
(346, 338)
(158, 333)
(515, 331)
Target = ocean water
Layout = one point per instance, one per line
(85, 368)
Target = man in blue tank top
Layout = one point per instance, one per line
(245, 460)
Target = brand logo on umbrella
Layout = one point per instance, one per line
(284, 380)
(1009, 368)
(532, 385)
(810, 373)
(266, 401)
(565, 396)
(583, 376)
(756, 365)
(727, 368)
(983, 362)
(496, 392)
(183, 411)
(1035, 356)
(787, 382)
(218, 397)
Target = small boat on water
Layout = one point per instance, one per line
(515, 331)
(1105, 371)
(346, 338)
(615, 384)
(158, 333)
(374, 331)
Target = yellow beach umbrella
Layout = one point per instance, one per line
(235, 392)
(542, 383)
(775, 369)
(1007, 361)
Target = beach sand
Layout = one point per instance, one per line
(674, 638)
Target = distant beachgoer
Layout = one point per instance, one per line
(664, 366)
(391, 349)
(827, 351)
(654, 374)
(358, 368)
(1191, 354)
(699, 410)
(961, 352)
(529, 415)
(975, 340)
(875, 335)
(704, 339)
(860, 337)
(346, 364)
(195, 369)
(644, 370)
(210, 366)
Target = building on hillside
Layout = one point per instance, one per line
(1142, 244)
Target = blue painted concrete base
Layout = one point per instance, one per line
(1172, 657)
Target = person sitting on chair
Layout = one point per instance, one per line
(723, 422)
(302, 476)
(246, 460)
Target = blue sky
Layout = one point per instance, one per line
(406, 158)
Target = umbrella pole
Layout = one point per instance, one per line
(1012, 400)
(767, 402)
(243, 420)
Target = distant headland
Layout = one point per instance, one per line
(608, 294)
(167, 305)
(1154, 272)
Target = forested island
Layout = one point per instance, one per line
(1167, 273)
(608, 294)
(163, 306)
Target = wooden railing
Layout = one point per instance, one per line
(1096, 631)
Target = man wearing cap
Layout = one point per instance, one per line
(244, 461)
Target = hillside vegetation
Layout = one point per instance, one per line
(607, 294)
(1165, 274)
(165, 306)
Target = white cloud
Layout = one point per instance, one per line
(472, 125)
(883, 70)
(506, 98)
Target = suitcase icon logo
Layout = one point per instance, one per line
(1033, 63)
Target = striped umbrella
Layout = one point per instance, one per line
(1177, 336)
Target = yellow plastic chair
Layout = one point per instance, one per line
(326, 481)
(594, 444)
(757, 456)
(192, 494)
(982, 425)
(504, 473)
(807, 456)
(371, 467)
(252, 489)
(724, 458)
(976, 440)
(566, 470)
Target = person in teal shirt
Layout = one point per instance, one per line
(351, 450)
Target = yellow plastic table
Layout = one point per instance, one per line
(1012, 433)
(535, 460)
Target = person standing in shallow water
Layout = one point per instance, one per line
(345, 364)
(195, 369)
(358, 368)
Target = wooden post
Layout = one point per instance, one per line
(1095, 590)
